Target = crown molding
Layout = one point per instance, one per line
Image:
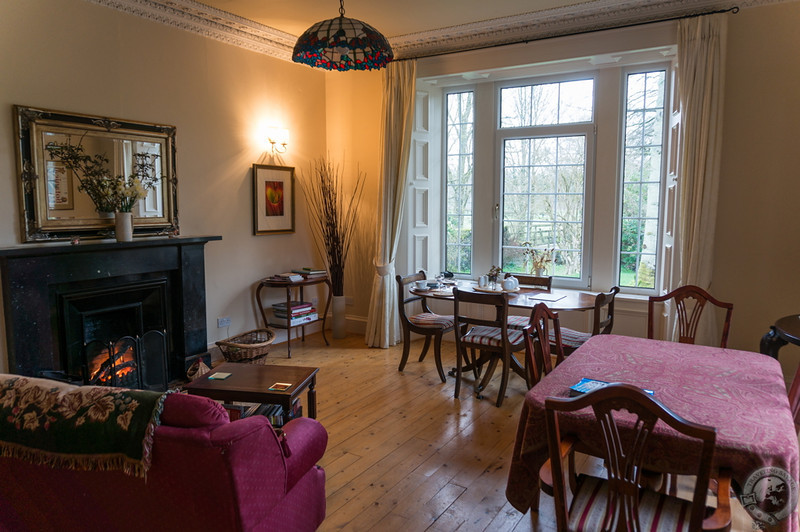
(210, 22)
(589, 16)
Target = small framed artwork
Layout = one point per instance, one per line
(59, 186)
(273, 199)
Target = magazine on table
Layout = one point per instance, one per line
(587, 385)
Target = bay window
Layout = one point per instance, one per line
(576, 169)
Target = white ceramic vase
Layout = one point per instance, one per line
(339, 326)
(123, 226)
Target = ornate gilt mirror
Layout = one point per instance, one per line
(52, 206)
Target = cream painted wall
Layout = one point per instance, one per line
(74, 56)
(757, 251)
(353, 106)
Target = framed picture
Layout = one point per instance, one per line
(273, 199)
(59, 186)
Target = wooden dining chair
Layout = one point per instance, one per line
(536, 335)
(603, 322)
(427, 323)
(544, 282)
(690, 302)
(489, 336)
(620, 502)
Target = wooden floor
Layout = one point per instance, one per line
(404, 455)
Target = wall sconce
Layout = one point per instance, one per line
(278, 138)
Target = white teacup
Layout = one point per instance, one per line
(421, 285)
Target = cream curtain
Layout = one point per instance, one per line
(383, 324)
(701, 76)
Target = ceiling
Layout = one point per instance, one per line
(415, 28)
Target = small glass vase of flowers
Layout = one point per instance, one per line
(494, 273)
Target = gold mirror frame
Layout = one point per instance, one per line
(52, 207)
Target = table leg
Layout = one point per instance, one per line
(288, 322)
(327, 307)
(303, 328)
(771, 343)
(312, 398)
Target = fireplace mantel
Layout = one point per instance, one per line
(31, 274)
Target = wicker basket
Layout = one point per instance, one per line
(251, 347)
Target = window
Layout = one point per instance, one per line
(544, 176)
(641, 178)
(459, 176)
(547, 187)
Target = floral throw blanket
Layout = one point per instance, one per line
(78, 427)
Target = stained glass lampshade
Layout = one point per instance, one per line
(342, 43)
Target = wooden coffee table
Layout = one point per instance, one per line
(250, 383)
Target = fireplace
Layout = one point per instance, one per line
(128, 314)
(116, 333)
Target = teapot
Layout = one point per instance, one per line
(510, 283)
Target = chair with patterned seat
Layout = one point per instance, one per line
(627, 416)
(537, 335)
(544, 282)
(490, 336)
(690, 301)
(603, 322)
(427, 323)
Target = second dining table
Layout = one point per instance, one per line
(525, 297)
(741, 394)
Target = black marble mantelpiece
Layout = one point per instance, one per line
(31, 274)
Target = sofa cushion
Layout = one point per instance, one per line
(189, 411)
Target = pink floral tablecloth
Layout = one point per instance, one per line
(742, 394)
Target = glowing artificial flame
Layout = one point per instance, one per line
(102, 373)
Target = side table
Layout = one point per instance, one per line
(786, 330)
(250, 383)
(289, 285)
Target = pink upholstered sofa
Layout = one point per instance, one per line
(207, 473)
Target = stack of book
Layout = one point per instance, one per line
(272, 412)
(298, 313)
(311, 273)
(288, 276)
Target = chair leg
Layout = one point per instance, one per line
(459, 365)
(437, 355)
(487, 377)
(501, 393)
(425, 348)
(406, 348)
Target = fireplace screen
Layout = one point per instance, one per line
(129, 362)
(118, 336)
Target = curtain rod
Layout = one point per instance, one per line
(733, 10)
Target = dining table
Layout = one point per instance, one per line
(524, 297)
(740, 393)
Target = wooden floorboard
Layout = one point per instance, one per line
(403, 454)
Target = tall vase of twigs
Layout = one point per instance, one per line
(332, 215)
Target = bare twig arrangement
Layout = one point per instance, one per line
(333, 217)
(538, 258)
